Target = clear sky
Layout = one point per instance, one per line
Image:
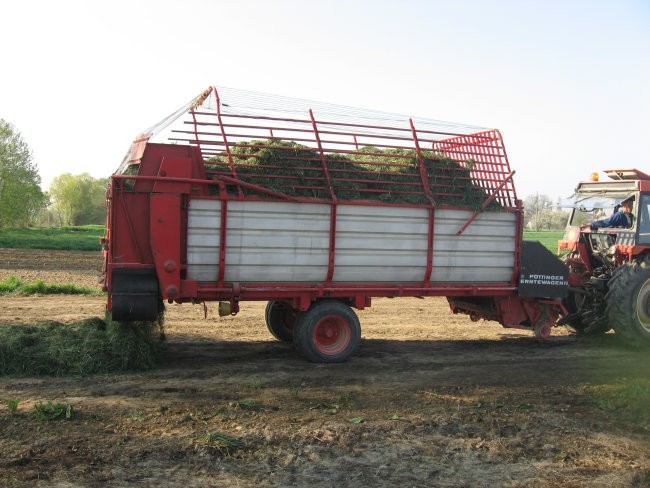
(566, 82)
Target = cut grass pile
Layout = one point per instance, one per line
(13, 285)
(87, 347)
(371, 173)
(78, 238)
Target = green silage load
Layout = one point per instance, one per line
(370, 173)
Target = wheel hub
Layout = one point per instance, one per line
(332, 335)
(328, 331)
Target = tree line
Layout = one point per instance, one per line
(79, 199)
(70, 199)
(541, 214)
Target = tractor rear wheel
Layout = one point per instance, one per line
(329, 332)
(628, 302)
(280, 320)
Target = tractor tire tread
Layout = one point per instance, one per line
(621, 302)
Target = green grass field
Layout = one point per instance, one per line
(15, 286)
(80, 238)
(548, 238)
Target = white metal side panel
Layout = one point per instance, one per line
(266, 241)
(380, 244)
(277, 242)
(203, 223)
(288, 242)
(484, 252)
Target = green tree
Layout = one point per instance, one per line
(78, 199)
(21, 198)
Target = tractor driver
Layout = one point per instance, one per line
(622, 218)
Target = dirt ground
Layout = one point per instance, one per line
(431, 400)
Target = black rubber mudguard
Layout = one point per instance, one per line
(135, 295)
(541, 273)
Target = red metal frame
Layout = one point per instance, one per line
(216, 131)
(153, 239)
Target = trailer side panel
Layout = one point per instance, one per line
(288, 242)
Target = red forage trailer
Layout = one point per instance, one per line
(318, 208)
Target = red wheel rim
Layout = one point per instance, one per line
(544, 332)
(332, 335)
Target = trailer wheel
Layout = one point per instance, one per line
(329, 332)
(281, 319)
(542, 330)
(628, 302)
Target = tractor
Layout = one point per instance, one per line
(609, 267)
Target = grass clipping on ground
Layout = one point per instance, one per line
(90, 346)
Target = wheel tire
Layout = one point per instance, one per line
(281, 320)
(329, 332)
(628, 302)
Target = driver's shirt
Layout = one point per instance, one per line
(619, 219)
